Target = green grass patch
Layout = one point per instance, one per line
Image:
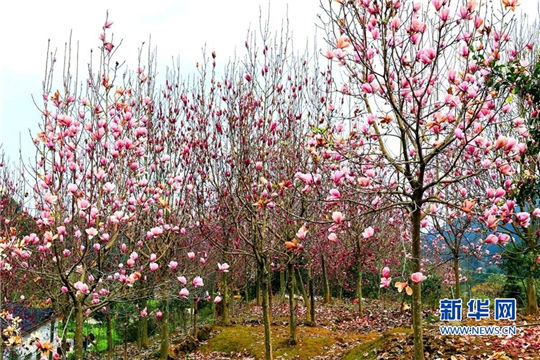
(231, 339)
(312, 341)
(368, 350)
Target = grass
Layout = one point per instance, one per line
(99, 331)
(368, 350)
(313, 341)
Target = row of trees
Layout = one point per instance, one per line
(159, 187)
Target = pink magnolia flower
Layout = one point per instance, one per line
(444, 14)
(492, 221)
(184, 293)
(191, 255)
(182, 280)
(64, 289)
(491, 239)
(418, 277)
(301, 233)
(504, 238)
(335, 193)
(337, 216)
(337, 176)
(524, 219)
(141, 131)
(97, 247)
(197, 281)
(385, 282)
(202, 261)
(223, 267)
(217, 299)
(332, 237)
(259, 165)
(368, 232)
(536, 212)
(500, 193)
(82, 287)
(153, 266)
(438, 4)
(83, 204)
(108, 187)
(173, 265)
(159, 315)
(153, 257)
(144, 312)
(72, 188)
(91, 232)
(386, 272)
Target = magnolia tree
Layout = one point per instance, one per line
(419, 74)
(454, 234)
(259, 116)
(514, 214)
(108, 160)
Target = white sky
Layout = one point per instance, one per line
(178, 28)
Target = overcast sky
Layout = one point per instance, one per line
(178, 28)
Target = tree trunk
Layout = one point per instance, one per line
(266, 311)
(417, 294)
(456, 275)
(144, 330)
(532, 301)
(51, 336)
(326, 285)
(125, 336)
(110, 344)
(311, 286)
(226, 300)
(79, 323)
(164, 331)
(270, 299)
(195, 325)
(282, 285)
(292, 314)
(184, 321)
(258, 289)
(139, 333)
(359, 286)
(302, 288)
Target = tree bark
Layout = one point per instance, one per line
(532, 301)
(195, 319)
(110, 345)
(417, 294)
(144, 329)
(326, 285)
(292, 314)
(311, 286)
(359, 286)
(282, 285)
(225, 319)
(270, 299)
(301, 286)
(258, 297)
(266, 310)
(79, 324)
(456, 275)
(164, 331)
(51, 335)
